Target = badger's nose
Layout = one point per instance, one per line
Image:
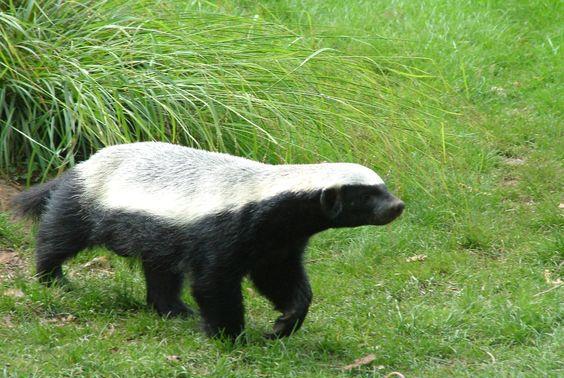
(397, 207)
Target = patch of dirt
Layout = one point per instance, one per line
(7, 191)
(11, 264)
(509, 182)
(98, 266)
(514, 161)
(527, 200)
(60, 320)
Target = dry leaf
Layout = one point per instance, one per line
(100, 262)
(173, 358)
(14, 293)
(416, 258)
(368, 359)
(394, 374)
(561, 206)
(549, 280)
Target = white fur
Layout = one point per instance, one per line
(183, 184)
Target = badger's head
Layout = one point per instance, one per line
(358, 197)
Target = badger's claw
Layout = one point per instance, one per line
(285, 325)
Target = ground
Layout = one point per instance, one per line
(467, 283)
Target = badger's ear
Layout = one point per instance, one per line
(331, 202)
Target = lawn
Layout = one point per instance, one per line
(457, 104)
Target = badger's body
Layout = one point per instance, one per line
(214, 216)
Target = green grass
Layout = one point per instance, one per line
(466, 124)
(77, 76)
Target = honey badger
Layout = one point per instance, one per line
(213, 217)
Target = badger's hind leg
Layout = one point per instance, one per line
(61, 235)
(164, 287)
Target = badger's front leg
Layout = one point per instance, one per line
(286, 285)
(221, 305)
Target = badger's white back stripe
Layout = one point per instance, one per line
(184, 184)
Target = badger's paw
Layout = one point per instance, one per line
(286, 325)
(173, 310)
(56, 280)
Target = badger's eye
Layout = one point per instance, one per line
(366, 197)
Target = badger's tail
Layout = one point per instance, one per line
(32, 202)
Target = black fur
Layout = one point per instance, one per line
(264, 240)
(32, 202)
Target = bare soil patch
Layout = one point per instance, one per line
(514, 161)
(11, 264)
(7, 191)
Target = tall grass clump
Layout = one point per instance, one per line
(79, 75)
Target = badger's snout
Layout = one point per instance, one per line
(387, 213)
(396, 208)
(360, 205)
